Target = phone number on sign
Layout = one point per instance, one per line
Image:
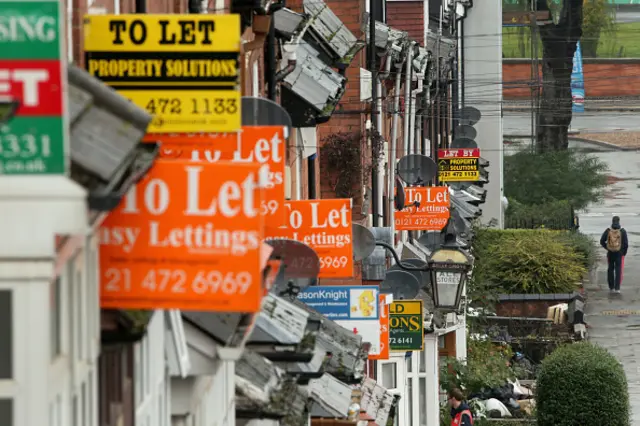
(333, 261)
(195, 106)
(176, 281)
(421, 221)
(400, 340)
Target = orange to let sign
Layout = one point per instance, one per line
(264, 145)
(325, 226)
(384, 329)
(426, 209)
(187, 236)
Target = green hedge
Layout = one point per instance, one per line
(552, 215)
(529, 261)
(560, 176)
(582, 385)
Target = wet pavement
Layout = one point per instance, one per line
(614, 320)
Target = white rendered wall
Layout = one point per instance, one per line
(482, 57)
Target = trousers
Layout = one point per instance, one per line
(614, 272)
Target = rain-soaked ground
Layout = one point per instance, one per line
(614, 320)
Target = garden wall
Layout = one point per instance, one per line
(603, 78)
(530, 305)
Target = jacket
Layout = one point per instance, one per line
(461, 416)
(623, 234)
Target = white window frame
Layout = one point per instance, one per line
(396, 359)
(255, 79)
(179, 341)
(69, 16)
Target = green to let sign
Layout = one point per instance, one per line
(30, 30)
(33, 77)
(406, 326)
(32, 145)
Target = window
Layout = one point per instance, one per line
(74, 411)
(55, 313)
(410, 397)
(83, 404)
(6, 335)
(82, 323)
(6, 412)
(422, 355)
(389, 378)
(137, 371)
(422, 397)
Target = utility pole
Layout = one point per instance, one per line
(375, 208)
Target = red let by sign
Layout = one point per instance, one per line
(432, 212)
(187, 236)
(325, 226)
(264, 145)
(459, 153)
(36, 84)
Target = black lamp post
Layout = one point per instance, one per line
(449, 267)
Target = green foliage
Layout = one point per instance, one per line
(552, 215)
(538, 179)
(598, 18)
(343, 155)
(486, 367)
(529, 261)
(582, 385)
(583, 245)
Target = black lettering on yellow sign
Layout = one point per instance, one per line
(190, 32)
(458, 165)
(406, 322)
(123, 69)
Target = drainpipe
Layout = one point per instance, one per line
(270, 61)
(414, 95)
(394, 146)
(407, 97)
(380, 165)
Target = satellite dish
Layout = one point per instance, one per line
(399, 198)
(431, 240)
(416, 169)
(423, 276)
(290, 286)
(459, 186)
(402, 284)
(264, 112)
(465, 131)
(469, 116)
(298, 259)
(364, 242)
(463, 143)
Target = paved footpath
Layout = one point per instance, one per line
(614, 320)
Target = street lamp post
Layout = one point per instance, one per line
(449, 267)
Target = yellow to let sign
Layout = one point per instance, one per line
(186, 110)
(162, 33)
(446, 176)
(183, 69)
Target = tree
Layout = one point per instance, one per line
(598, 17)
(559, 40)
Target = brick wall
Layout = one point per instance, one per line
(603, 78)
(407, 16)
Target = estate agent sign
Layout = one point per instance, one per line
(33, 76)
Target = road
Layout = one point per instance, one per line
(609, 324)
(628, 15)
(519, 123)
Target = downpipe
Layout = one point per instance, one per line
(393, 155)
(407, 97)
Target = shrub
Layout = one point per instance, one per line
(583, 244)
(552, 215)
(537, 179)
(582, 385)
(528, 261)
(486, 367)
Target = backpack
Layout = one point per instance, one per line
(614, 240)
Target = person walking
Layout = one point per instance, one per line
(460, 412)
(615, 241)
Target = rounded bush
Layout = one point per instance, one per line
(582, 385)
